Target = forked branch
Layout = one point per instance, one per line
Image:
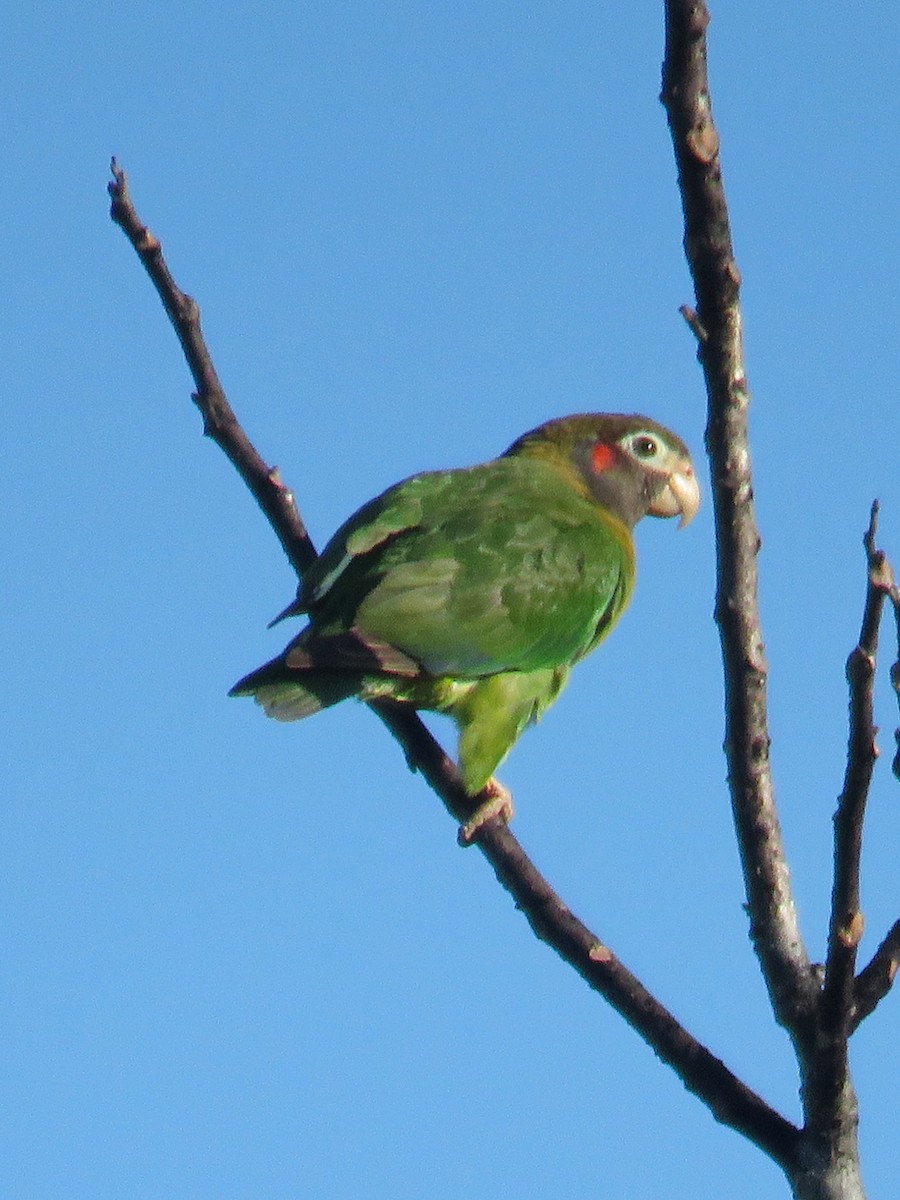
(818, 1020)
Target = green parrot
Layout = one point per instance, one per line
(473, 592)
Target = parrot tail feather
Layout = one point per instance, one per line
(292, 700)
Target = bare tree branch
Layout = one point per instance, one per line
(874, 981)
(892, 592)
(821, 1159)
(728, 1098)
(774, 928)
(220, 422)
(847, 1002)
(818, 1024)
(846, 926)
(829, 1101)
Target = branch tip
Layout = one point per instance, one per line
(869, 537)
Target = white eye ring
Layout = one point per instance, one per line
(644, 446)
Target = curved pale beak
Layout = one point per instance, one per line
(681, 495)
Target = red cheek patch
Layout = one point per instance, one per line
(602, 456)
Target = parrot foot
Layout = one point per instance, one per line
(497, 803)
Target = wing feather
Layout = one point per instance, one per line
(459, 570)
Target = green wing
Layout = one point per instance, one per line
(502, 567)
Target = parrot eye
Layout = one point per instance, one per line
(644, 446)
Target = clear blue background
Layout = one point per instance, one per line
(241, 960)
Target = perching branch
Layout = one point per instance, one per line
(730, 1100)
(221, 424)
(219, 421)
(707, 242)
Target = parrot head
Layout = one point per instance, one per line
(628, 464)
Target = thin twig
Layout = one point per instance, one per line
(728, 1098)
(846, 924)
(219, 420)
(774, 928)
(847, 1002)
(826, 1081)
(874, 981)
(893, 595)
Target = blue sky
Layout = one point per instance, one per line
(246, 960)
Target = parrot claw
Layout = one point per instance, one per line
(497, 802)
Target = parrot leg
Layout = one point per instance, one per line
(497, 802)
